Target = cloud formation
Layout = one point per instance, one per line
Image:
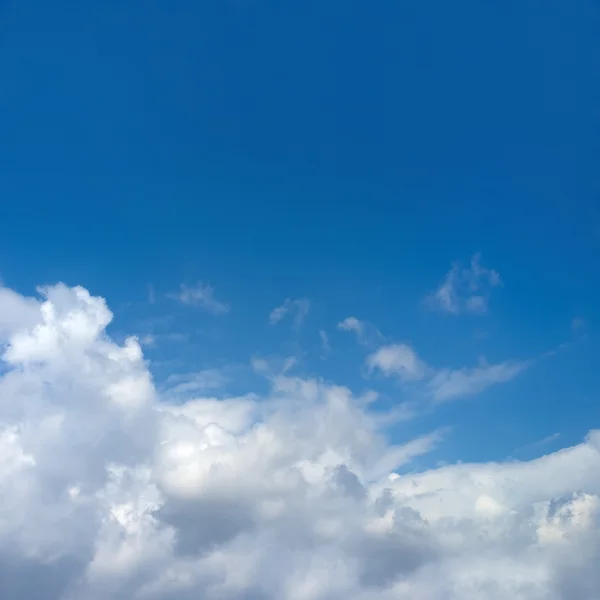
(366, 333)
(298, 308)
(108, 490)
(400, 360)
(465, 289)
(352, 324)
(201, 295)
(448, 384)
(325, 345)
(442, 385)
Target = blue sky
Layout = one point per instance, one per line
(344, 154)
(299, 300)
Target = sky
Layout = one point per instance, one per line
(299, 301)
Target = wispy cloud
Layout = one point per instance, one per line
(325, 345)
(273, 365)
(195, 383)
(441, 385)
(299, 308)
(397, 456)
(151, 294)
(366, 333)
(449, 384)
(201, 295)
(147, 340)
(465, 289)
(352, 324)
(537, 444)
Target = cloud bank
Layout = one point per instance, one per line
(108, 490)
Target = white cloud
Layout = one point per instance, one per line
(147, 340)
(203, 296)
(107, 492)
(400, 360)
(273, 365)
(352, 324)
(16, 312)
(465, 289)
(299, 308)
(448, 384)
(183, 384)
(366, 333)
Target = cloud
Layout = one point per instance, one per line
(325, 345)
(273, 365)
(441, 385)
(108, 490)
(299, 308)
(366, 333)
(147, 340)
(448, 384)
(538, 443)
(465, 289)
(157, 340)
(352, 324)
(195, 383)
(16, 312)
(398, 359)
(203, 296)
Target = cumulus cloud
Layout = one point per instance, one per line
(203, 296)
(16, 311)
(465, 289)
(109, 491)
(299, 308)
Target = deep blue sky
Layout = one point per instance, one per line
(346, 152)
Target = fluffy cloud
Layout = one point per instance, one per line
(109, 491)
(465, 289)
